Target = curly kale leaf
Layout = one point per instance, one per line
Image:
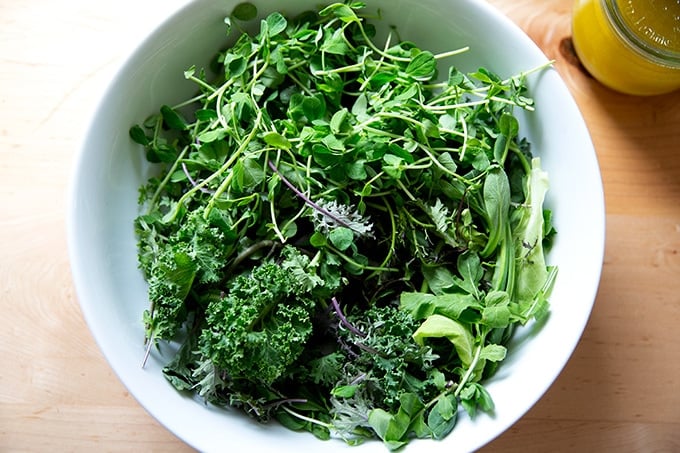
(171, 276)
(261, 325)
(193, 255)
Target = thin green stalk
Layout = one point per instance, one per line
(393, 237)
(227, 164)
(470, 370)
(451, 53)
(157, 193)
(359, 265)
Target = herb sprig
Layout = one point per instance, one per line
(340, 238)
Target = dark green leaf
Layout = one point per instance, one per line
(442, 417)
(248, 174)
(235, 65)
(205, 115)
(341, 237)
(497, 206)
(423, 66)
(313, 107)
(138, 136)
(173, 119)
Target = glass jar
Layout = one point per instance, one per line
(632, 46)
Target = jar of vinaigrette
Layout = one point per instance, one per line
(632, 46)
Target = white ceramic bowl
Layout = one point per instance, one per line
(110, 168)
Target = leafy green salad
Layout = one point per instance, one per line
(341, 235)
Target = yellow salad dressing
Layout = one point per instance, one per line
(632, 46)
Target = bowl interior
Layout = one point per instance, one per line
(110, 169)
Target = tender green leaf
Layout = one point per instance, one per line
(357, 170)
(439, 278)
(531, 272)
(334, 42)
(344, 391)
(474, 396)
(342, 11)
(276, 140)
(422, 66)
(317, 240)
(360, 108)
(493, 353)
(276, 24)
(211, 135)
(508, 125)
(438, 326)
(470, 269)
(338, 120)
(496, 312)
(423, 305)
(447, 161)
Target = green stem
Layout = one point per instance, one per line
(168, 175)
(227, 165)
(469, 372)
(393, 238)
(451, 53)
(307, 419)
(377, 49)
(360, 266)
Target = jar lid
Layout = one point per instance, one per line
(651, 27)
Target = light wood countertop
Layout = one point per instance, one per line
(619, 392)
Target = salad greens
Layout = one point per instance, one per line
(339, 238)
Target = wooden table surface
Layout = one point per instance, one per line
(619, 392)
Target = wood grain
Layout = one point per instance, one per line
(619, 392)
